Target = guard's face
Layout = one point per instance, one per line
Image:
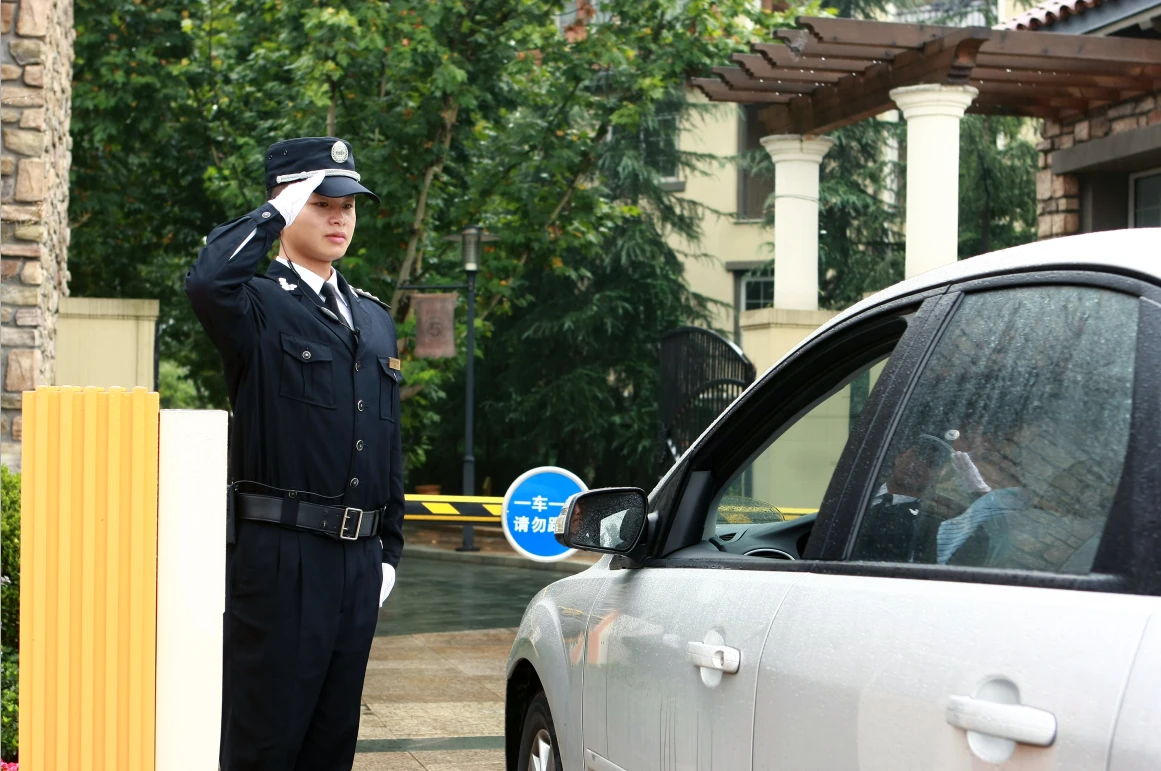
(322, 230)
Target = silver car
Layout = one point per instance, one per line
(966, 568)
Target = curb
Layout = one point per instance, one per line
(568, 567)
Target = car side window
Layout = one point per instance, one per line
(1010, 448)
(788, 479)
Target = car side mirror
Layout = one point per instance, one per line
(608, 520)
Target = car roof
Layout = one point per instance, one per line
(1134, 251)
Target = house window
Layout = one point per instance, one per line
(1145, 199)
(754, 185)
(758, 289)
(659, 145)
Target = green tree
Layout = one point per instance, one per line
(860, 222)
(997, 184)
(141, 148)
(460, 111)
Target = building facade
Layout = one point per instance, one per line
(1101, 169)
(36, 60)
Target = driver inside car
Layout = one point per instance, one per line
(910, 521)
(893, 527)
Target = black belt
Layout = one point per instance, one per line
(343, 522)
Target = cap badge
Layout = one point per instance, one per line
(339, 152)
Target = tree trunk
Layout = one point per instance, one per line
(450, 112)
(331, 112)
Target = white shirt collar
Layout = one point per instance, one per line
(315, 281)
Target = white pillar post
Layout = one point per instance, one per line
(933, 112)
(191, 588)
(796, 162)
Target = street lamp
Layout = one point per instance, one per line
(470, 239)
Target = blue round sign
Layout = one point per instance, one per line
(531, 507)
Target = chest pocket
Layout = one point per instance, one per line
(307, 372)
(389, 390)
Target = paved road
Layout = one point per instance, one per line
(433, 699)
(445, 596)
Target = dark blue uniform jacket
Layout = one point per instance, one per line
(316, 409)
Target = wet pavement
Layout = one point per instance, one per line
(435, 702)
(448, 596)
(433, 699)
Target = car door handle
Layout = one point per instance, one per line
(1016, 722)
(718, 657)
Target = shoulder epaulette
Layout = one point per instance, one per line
(371, 297)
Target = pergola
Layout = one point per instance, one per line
(834, 72)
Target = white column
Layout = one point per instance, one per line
(933, 113)
(191, 588)
(796, 161)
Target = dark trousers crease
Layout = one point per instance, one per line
(300, 616)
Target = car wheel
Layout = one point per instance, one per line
(538, 750)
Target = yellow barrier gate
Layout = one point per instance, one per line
(453, 509)
(88, 590)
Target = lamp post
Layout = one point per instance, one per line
(470, 239)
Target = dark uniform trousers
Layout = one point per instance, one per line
(316, 411)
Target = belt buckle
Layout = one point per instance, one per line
(343, 525)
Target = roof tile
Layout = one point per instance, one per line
(1048, 13)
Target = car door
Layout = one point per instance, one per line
(674, 646)
(979, 598)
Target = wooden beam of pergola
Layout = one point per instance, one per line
(833, 72)
(737, 78)
(800, 42)
(860, 33)
(1067, 65)
(1050, 78)
(780, 55)
(717, 91)
(759, 68)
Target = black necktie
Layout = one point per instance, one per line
(331, 301)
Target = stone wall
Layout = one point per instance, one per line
(36, 62)
(1058, 195)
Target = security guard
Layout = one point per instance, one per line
(316, 463)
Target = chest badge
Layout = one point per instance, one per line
(394, 363)
(289, 287)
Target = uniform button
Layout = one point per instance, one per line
(265, 215)
(306, 354)
(359, 445)
(356, 370)
(360, 405)
(355, 482)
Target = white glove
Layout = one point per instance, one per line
(388, 583)
(969, 474)
(291, 200)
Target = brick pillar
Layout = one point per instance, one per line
(36, 63)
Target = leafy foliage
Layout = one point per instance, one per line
(860, 222)
(177, 390)
(9, 612)
(10, 558)
(10, 704)
(140, 150)
(997, 184)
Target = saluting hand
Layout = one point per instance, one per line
(291, 200)
(971, 477)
